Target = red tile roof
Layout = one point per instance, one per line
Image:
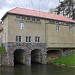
(46, 15)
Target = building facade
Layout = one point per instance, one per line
(30, 35)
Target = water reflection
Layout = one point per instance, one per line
(37, 69)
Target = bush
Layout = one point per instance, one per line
(2, 50)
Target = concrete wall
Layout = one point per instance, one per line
(62, 38)
(1, 33)
(5, 30)
(30, 29)
(46, 32)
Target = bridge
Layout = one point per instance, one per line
(26, 53)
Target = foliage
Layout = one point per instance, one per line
(52, 10)
(67, 60)
(2, 50)
(67, 8)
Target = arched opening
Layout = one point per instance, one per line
(19, 56)
(36, 56)
(52, 55)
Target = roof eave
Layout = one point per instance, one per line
(4, 16)
(28, 15)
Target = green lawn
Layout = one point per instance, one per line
(67, 60)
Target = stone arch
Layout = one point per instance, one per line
(36, 55)
(53, 54)
(28, 48)
(42, 55)
(19, 56)
(9, 59)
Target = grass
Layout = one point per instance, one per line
(66, 60)
(2, 50)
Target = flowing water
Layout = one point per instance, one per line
(37, 69)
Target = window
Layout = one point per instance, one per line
(17, 17)
(70, 28)
(21, 25)
(38, 19)
(57, 28)
(29, 18)
(37, 39)
(23, 18)
(52, 21)
(61, 22)
(56, 22)
(34, 19)
(28, 39)
(18, 38)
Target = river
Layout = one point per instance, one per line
(37, 69)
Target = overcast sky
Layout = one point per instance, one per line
(42, 5)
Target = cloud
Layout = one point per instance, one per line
(34, 4)
(42, 5)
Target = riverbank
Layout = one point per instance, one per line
(68, 60)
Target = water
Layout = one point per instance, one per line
(37, 69)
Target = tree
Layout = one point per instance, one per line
(52, 10)
(67, 8)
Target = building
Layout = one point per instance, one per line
(31, 35)
(1, 32)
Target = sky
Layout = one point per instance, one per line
(40, 5)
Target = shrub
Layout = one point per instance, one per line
(2, 50)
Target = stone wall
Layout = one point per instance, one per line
(66, 52)
(8, 59)
(40, 54)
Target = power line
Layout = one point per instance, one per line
(39, 4)
(47, 5)
(39, 7)
(3, 4)
(32, 4)
(26, 3)
(16, 2)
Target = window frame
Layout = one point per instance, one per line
(18, 39)
(37, 39)
(21, 25)
(57, 28)
(28, 39)
(70, 29)
(18, 16)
